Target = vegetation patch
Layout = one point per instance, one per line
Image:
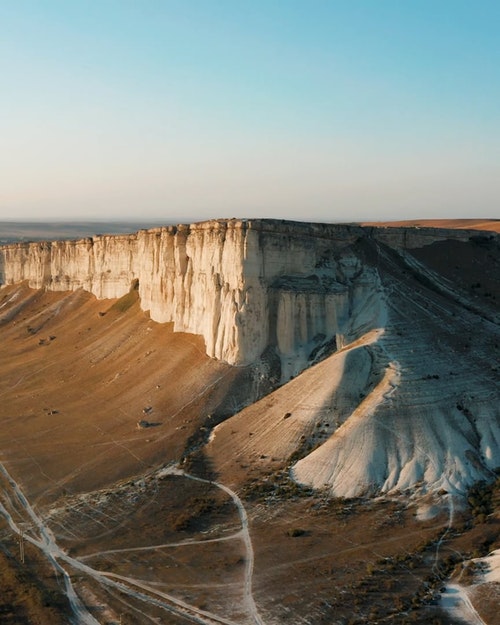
(28, 596)
(275, 486)
(128, 300)
(480, 499)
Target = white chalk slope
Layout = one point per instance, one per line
(409, 402)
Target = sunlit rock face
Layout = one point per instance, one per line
(405, 385)
(103, 265)
(242, 285)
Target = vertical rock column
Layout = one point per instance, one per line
(207, 279)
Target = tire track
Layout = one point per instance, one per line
(130, 586)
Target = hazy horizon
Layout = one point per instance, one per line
(313, 111)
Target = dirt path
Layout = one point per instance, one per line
(245, 534)
(40, 535)
(47, 544)
(184, 543)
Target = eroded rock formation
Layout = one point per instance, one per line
(242, 285)
(405, 323)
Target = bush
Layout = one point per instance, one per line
(479, 499)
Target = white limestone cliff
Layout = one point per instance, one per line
(242, 285)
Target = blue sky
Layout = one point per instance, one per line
(182, 110)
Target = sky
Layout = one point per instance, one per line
(185, 110)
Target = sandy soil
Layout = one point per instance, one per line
(77, 375)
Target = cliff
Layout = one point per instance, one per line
(402, 324)
(241, 285)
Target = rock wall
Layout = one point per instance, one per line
(242, 285)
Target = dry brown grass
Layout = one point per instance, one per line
(492, 225)
(70, 403)
(29, 593)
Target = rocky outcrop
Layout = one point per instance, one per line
(409, 396)
(243, 285)
(410, 402)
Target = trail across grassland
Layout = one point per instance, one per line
(22, 514)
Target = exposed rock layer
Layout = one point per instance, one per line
(241, 285)
(410, 401)
(409, 398)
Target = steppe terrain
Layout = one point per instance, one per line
(491, 225)
(149, 483)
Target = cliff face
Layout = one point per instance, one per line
(405, 324)
(242, 285)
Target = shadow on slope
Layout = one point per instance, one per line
(416, 409)
(295, 418)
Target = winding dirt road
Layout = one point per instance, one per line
(22, 514)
